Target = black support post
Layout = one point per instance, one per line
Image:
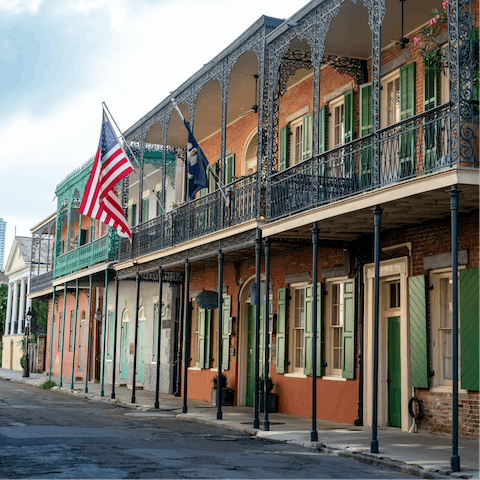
(159, 333)
(258, 253)
(220, 335)
(314, 433)
(115, 338)
(455, 458)
(377, 214)
(137, 306)
(187, 335)
(266, 422)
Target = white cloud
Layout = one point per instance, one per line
(20, 6)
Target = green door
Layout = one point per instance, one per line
(394, 373)
(124, 359)
(140, 352)
(251, 355)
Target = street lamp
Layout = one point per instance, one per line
(28, 320)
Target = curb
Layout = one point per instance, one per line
(360, 456)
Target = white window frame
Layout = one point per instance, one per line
(296, 127)
(336, 103)
(391, 77)
(438, 384)
(293, 369)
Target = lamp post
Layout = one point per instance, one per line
(28, 319)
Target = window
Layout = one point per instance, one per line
(394, 295)
(296, 141)
(194, 360)
(298, 329)
(334, 328)
(145, 206)
(337, 122)
(155, 334)
(391, 99)
(111, 335)
(132, 215)
(443, 333)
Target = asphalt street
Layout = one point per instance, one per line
(45, 435)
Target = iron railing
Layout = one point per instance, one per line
(41, 282)
(417, 146)
(82, 257)
(200, 217)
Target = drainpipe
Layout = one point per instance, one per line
(187, 335)
(314, 433)
(159, 333)
(377, 212)
(258, 252)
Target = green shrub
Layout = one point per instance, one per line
(47, 385)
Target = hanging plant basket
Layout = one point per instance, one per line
(207, 300)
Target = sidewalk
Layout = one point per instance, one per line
(424, 455)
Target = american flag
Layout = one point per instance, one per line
(110, 165)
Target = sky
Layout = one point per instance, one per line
(59, 60)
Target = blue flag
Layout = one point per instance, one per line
(197, 165)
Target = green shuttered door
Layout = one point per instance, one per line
(308, 361)
(469, 341)
(418, 332)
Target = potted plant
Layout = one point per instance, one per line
(227, 393)
(272, 397)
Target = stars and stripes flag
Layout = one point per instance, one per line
(100, 200)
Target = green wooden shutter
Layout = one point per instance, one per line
(201, 338)
(348, 340)
(475, 76)
(430, 100)
(283, 154)
(407, 91)
(348, 112)
(407, 109)
(469, 341)
(111, 335)
(307, 136)
(322, 129)
(281, 324)
(146, 203)
(308, 332)
(230, 166)
(226, 312)
(418, 332)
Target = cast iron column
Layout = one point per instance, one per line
(454, 459)
(115, 337)
(137, 307)
(52, 335)
(88, 334)
(74, 335)
(220, 335)
(102, 392)
(266, 423)
(63, 331)
(258, 253)
(159, 332)
(377, 214)
(314, 433)
(187, 335)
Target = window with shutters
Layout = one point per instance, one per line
(145, 207)
(296, 141)
(297, 329)
(194, 336)
(441, 305)
(337, 122)
(390, 100)
(334, 328)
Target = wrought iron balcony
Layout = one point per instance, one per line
(417, 146)
(200, 217)
(100, 250)
(41, 282)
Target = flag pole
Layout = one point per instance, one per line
(219, 182)
(104, 106)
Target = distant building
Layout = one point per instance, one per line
(3, 229)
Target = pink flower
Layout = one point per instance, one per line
(438, 17)
(415, 41)
(433, 21)
(445, 4)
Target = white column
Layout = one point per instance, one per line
(9, 309)
(29, 300)
(14, 308)
(21, 310)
